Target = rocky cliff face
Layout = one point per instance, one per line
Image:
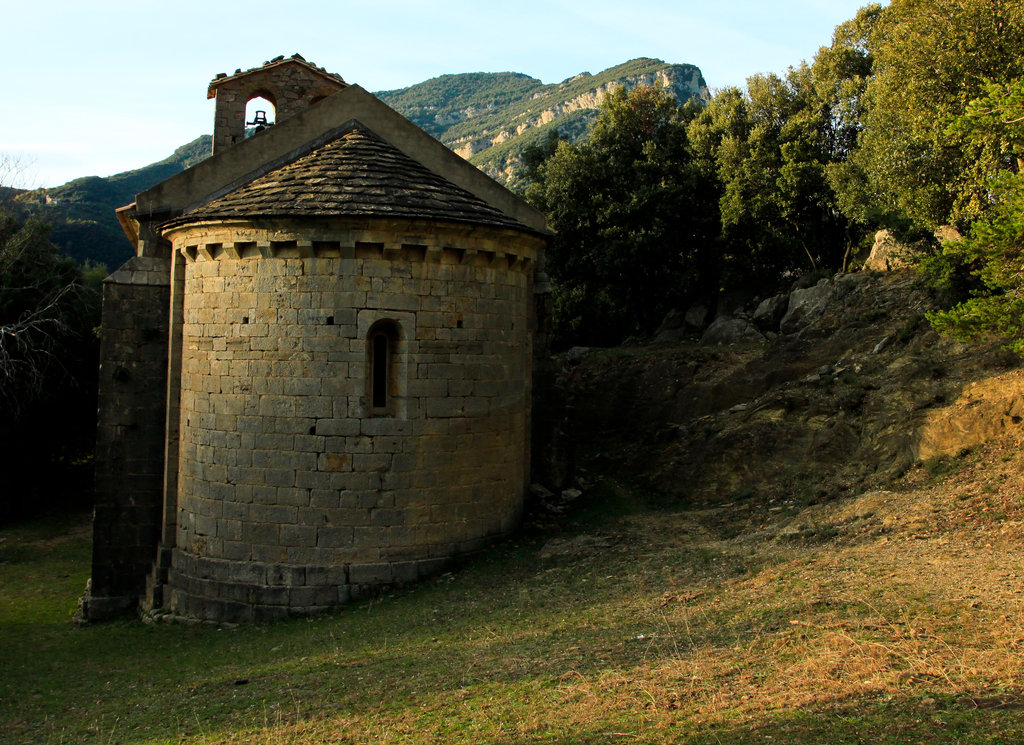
(505, 112)
(685, 82)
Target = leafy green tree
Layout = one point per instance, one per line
(994, 250)
(841, 74)
(635, 231)
(536, 154)
(770, 148)
(994, 124)
(930, 59)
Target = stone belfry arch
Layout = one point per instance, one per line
(291, 83)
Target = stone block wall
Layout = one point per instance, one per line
(129, 438)
(294, 493)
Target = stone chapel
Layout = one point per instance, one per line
(316, 370)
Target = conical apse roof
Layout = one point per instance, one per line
(355, 174)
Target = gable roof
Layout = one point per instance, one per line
(356, 173)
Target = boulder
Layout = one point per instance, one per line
(672, 328)
(947, 234)
(726, 330)
(769, 312)
(576, 354)
(888, 254)
(696, 316)
(731, 303)
(673, 320)
(805, 305)
(669, 336)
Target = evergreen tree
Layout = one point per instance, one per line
(994, 250)
(634, 231)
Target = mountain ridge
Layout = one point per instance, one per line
(492, 134)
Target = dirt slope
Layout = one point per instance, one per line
(837, 516)
(852, 399)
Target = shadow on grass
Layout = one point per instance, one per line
(514, 647)
(508, 620)
(923, 720)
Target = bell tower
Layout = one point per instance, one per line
(290, 84)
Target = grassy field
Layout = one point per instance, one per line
(894, 618)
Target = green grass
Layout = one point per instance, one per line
(644, 632)
(943, 466)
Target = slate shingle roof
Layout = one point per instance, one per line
(357, 174)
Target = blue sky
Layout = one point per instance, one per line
(106, 86)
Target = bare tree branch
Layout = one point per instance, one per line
(38, 290)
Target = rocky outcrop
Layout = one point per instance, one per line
(824, 410)
(684, 81)
(805, 304)
(985, 409)
(728, 330)
(672, 328)
(696, 316)
(888, 254)
(770, 312)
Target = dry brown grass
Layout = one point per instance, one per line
(896, 616)
(905, 624)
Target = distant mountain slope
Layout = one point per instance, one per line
(81, 212)
(487, 118)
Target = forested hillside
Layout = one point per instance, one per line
(81, 212)
(490, 118)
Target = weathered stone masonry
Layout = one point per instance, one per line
(292, 493)
(130, 440)
(344, 382)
